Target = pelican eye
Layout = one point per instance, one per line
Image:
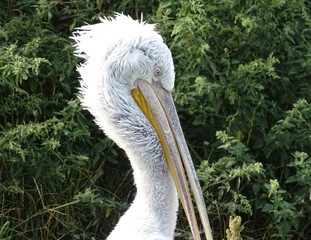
(157, 71)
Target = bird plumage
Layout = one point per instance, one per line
(113, 63)
(117, 53)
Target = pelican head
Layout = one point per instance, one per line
(126, 83)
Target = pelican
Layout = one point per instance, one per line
(127, 76)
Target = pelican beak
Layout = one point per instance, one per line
(158, 106)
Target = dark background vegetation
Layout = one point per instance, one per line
(243, 93)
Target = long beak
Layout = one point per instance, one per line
(158, 106)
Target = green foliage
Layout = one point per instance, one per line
(235, 228)
(227, 181)
(243, 92)
(53, 160)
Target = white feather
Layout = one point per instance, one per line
(116, 52)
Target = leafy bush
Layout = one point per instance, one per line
(243, 72)
(52, 158)
(243, 92)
